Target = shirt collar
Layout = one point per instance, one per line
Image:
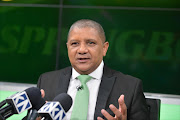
(97, 74)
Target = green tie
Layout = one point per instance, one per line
(80, 108)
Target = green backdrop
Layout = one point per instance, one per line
(144, 38)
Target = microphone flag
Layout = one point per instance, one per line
(52, 110)
(20, 101)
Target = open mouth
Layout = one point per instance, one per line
(83, 59)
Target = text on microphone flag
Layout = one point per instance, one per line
(21, 102)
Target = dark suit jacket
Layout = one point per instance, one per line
(113, 84)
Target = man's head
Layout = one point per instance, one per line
(86, 45)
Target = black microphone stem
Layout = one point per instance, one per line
(33, 114)
(1, 117)
(6, 111)
(2, 103)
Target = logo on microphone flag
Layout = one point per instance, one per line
(54, 109)
(21, 102)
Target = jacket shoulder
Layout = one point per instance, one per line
(119, 75)
(57, 72)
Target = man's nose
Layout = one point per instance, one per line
(82, 49)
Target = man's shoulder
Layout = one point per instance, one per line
(120, 75)
(58, 72)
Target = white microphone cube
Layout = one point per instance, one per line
(52, 110)
(20, 102)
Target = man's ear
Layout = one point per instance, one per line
(105, 48)
(67, 44)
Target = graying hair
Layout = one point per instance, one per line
(91, 24)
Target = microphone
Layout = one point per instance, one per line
(56, 110)
(22, 101)
(79, 88)
(37, 103)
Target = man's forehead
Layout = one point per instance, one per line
(78, 29)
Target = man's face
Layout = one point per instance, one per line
(85, 49)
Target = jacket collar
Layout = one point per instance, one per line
(64, 80)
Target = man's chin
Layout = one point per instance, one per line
(83, 69)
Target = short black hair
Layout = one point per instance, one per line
(91, 24)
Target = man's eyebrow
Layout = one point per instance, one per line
(73, 40)
(90, 40)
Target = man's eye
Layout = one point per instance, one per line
(91, 43)
(74, 43)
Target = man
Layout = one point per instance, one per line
(112, 95)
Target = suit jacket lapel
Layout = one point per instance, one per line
(106, 86)
(64, 80)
